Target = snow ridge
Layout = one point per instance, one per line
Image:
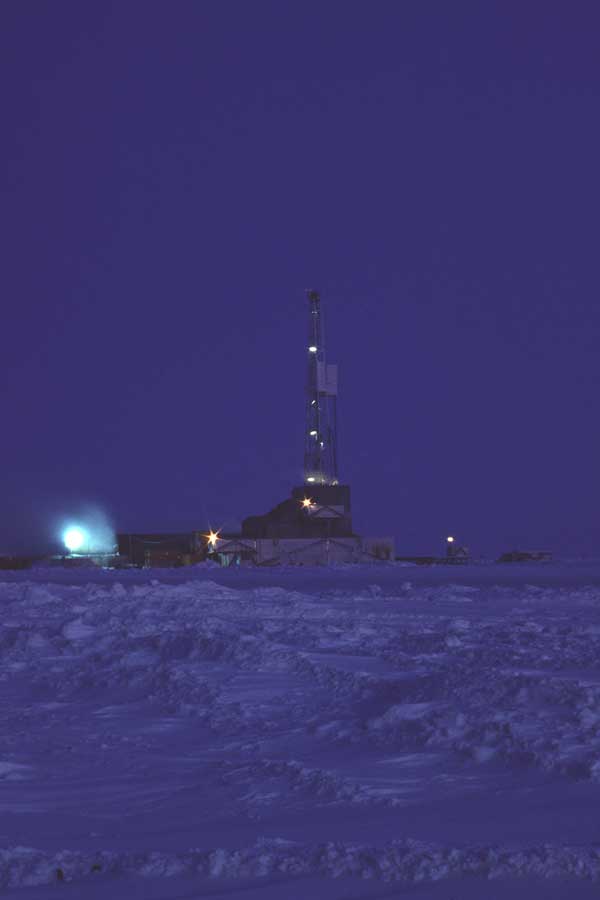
(405, 861)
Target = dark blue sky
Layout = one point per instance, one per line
(174, 175)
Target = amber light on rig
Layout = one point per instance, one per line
(307, 503)
(212, 538)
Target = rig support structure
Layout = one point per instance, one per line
(320, 447)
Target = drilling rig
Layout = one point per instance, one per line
(320, 447)
(313, 526)
(321, 507)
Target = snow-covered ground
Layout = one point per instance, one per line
(397, 732)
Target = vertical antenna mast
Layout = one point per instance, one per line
(320, 447)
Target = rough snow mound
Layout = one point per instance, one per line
(400, 861)
(212, 714)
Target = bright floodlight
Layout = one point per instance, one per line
(312, 349)
(213, 538)
(74, 539)
(450, 540)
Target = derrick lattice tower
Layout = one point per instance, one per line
(320, 448)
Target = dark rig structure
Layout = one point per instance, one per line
(321, 508)
(314, 525)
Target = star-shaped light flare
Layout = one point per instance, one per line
(211, 539)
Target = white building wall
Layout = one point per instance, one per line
(308, 551)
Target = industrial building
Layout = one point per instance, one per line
(315, 511)
(525, 556)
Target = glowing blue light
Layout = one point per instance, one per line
(74, 538)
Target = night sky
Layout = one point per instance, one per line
(175, 175)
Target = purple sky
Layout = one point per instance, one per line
(174, 175)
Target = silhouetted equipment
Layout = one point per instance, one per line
(418, 560)
(455, 553)
(526, 556)
(18, 562)
(161, 549)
